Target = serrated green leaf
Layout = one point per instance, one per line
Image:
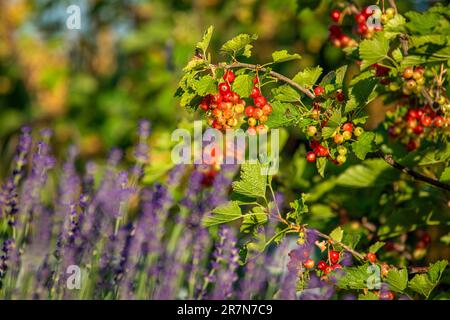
(376, 246)
(239, 45)
(252, 182)
(373, 50)
(194, 64)
(299, 209)
(421, 284)
(223, 214)
(205, 85)
(363, 145)
(371, 173)
(337, 234)
(283, 115)
(252, 220)
(285, 93)
(397, 55)
(321, 164)
(436, 270)
(283, 56)
(243, 85)
(308, 77)
(355, 277)
(397, 279)
(204, 44)
(445, 176)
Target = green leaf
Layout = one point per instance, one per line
(243, 85)
(283, 56)
(308, 77)
(437, 269)
(425, 283)
(421, 284)
(397, 279)
(397, 55)
(223, 214)
(205, 85)
(239, 45)
(337, 234)
(300, 208)
(445, 176)
(283, 114)
(253, 182)
(371, 173)
(374, 50)
(355, 277)
(321, 164)
(368, 296)
(333, 123)
(363, 145)
(376, 246)
(252, 220)
(285, 93)
(204, 44)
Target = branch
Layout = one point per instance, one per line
(346, 248)
(273, 74)
(393, 5)
(418, 176)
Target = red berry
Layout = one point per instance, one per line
(267, 109)
(335, 15)
(319, 90)
(347, 127)
(340, 97)
(412, 145)
(426, 121)
(418, 129)
(204, 106)
(438, 121)
(367, 12)
(251, 131)
(309, 264)
(328, 269)
(322, 151)
(255, 92)
(249, 111)
(426, 238)
(362, 28)
(321, 265)
(334, 256)
(224, 88)
(260, 101)
(337, 266)
(217, 98)
(314, 144)
(335, 30)
(255, 80)
(360, 18)
(229, 76)
(412, 114)
(371, 257)
(311, 157)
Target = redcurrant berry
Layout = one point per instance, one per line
(319, 90)
(311, 157)
(321, 265)
(224, 88)
(371, 257)
(335, 15)
(309, 264)
(229, 76)
(334, 256)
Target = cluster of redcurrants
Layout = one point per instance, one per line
(365, 28)
(258, 114)
(339, 137)
(225, 110)
(417, 124)
(324, 267)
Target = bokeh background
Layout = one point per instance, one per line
(92, 85)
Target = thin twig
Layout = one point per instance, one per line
(346, 248)
(418, 176)
(393, 5)
(273, 74)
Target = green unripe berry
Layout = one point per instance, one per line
(358, 131)
(311, 131)
(394, 86)
(390, 13)
(347, 135)
(341, 159)
(441, 100)
(342, 150)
